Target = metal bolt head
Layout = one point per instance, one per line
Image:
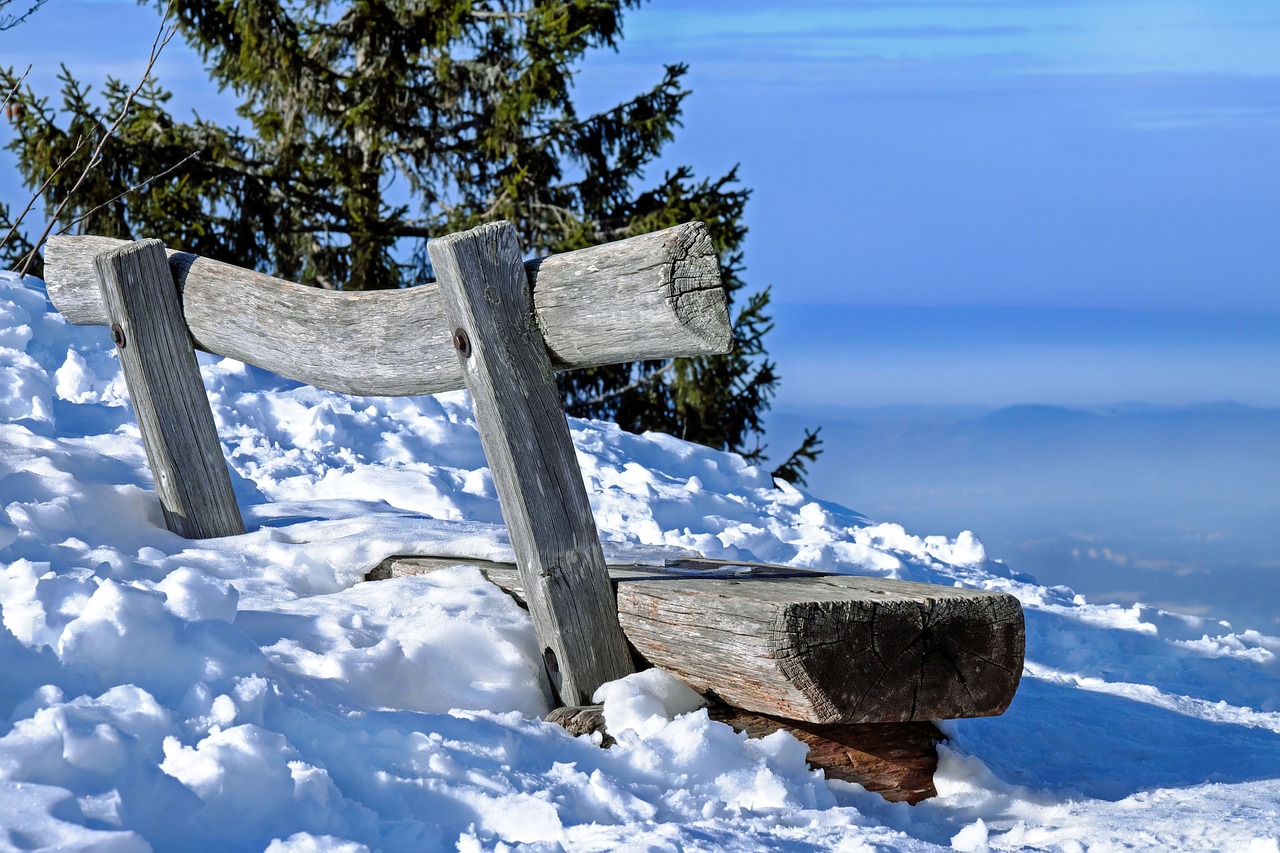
(117, 335)
(462, 343)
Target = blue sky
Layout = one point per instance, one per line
(1120, 159)
(1113, 154)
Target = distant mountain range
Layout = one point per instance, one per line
(1174, 506)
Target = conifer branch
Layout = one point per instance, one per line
(14, 90)
(795, 469)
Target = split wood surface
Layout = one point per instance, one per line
(167, 393)
(654, 296)
(807, 646)
(526, 439)
(895, 760)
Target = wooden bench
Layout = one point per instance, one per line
(855, 666)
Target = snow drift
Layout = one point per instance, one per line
(251, 693)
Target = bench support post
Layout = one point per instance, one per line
(535, 470)
(167, 393)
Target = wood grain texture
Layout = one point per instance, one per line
(895, 760)
(809, 646)
(670, 273)
(535, 469)
(167, 392)
(582, 720)
(649, 297)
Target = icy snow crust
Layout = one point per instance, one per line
(251, 693)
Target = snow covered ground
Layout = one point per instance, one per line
(251, 693)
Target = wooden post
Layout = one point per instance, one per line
(526, 439)
(168, 395)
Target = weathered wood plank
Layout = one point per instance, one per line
(535, 469)
(810, 646)
(895, 760)
(654, 296)
(167, 393)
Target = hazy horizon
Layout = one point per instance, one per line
(885, 355)
(1172, 506)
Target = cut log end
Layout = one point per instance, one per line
(940, 655)
(667, 281)
(694, 289)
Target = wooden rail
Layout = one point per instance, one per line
(653, 296)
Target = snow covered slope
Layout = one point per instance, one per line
(251, 693)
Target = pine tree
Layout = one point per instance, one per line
(373, 125)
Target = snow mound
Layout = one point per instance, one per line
(251, 693)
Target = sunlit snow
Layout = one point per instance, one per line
(253, 693)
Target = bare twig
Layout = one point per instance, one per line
(503, 15)
(9, 96)
(38, 193)
(82, 217)
(630, 386)
(8, 22)
(164, 34)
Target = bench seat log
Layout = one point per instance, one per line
(654, 296)
(895, 760)
(808, 646)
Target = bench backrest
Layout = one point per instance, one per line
(492, 323)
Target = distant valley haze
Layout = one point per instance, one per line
(1174, 507)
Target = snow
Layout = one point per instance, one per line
(252, 693)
